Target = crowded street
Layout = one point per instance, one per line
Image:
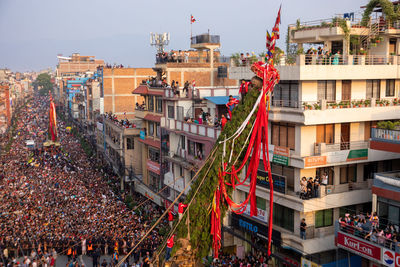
(55, 201)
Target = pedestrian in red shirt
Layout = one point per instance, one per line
(223, 121)
(170, 245)
(170, 218)
(181, 209)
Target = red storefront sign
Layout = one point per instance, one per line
(359, 247)
(153, 166)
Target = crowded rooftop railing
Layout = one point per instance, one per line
(369, 227)
(122, 123)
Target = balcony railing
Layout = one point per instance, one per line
(321, 148)
(205, 39)
(164, 59)
(385, 135)
(193, 128)
(366, 236)
(321, 60)
(339, 104)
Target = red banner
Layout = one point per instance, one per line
(356, 245)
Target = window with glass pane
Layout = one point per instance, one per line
(154, 155)
(151, 128)
(323, 218)
(171, 112)
(283, 217)
(159, 108)
(129, 143)
(261, 202)
(151, 103)
(373, 89)
(283, 134)
(390, 86)
(325, 133)
(286, 94)
(326, 90)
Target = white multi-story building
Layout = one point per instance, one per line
(323, 111)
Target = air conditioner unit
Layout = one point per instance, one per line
(171, 154)
(183, 153)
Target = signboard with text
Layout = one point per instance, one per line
(314, 161)
(153, 166)
(281, 155)
(346, 155)
(359, 246)
(279, 181)
(142, 135)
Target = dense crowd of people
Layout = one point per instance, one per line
(250, 259)
(172, 56)
(368, 227)
(323, 57)
(124, 123)
(54, 200)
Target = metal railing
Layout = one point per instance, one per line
(185, 59)
(320, 148)
(386, 135)
(193, 128)
(371, 236)
(320, 59)
(205, 38)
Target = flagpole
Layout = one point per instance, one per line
(191, 27)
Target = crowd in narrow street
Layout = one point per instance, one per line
(53, 200)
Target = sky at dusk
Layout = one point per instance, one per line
(34, 32)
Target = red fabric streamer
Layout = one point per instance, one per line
(258, 142)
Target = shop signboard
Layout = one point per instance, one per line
(281, 155)
(388, 257)
(308, 263)
(314, 161)
(255, 228)
(262, 215)
(359, 246)
(142, 135)
(346, 155)
(153, 166)
(279, 181)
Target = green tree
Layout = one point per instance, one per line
(44, 84)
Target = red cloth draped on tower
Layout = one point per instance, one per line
(257, 146)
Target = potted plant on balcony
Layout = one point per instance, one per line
(395, 101)
(367, 103)
(306, 106)
(317, 106)
(386, 102)
(333, 105)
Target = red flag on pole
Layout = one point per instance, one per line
(192, 19)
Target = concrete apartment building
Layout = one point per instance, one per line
(321, 119)
(118, 84)
(172, 148)
(72, 67)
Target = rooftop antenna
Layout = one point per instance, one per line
(159, 40)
